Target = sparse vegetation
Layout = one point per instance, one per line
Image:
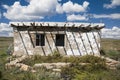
(111, 48)
(42, 74)
(96, 70)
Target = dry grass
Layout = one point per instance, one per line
(110, 44)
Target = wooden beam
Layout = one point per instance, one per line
(73, 25)
(32, 24)
(88, 25)
(64, 25)
(13, 25)
(41, 24)
(81, 25)
(24, 24)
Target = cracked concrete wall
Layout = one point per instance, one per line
(76, 43)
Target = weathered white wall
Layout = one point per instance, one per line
(84, 43)
(22, 43)
(76, 43)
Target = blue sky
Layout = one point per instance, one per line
(91, 11)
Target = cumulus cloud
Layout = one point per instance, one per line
(111, 33)
(114, 3)
(111, 16)
(38, 9)
(74, 17)
(69, 7)
(59, 9)
(5, 30)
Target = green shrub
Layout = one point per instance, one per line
(84, 76)
(41, 74)
(92, 64)
(91, 59)
(29, 76)
(56, 57)
(0, 75)
(114, 54)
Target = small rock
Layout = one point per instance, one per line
(57, 70)
(33, 71)
(24, 68)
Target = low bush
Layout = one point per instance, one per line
(92, 64)
(94, 60)
(114, 54)
(41, 74)
(78, 74)
(98, 75)
(56, 57)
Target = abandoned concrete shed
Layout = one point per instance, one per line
(67, 38)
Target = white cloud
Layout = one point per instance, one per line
(111, 16)
(111, 33)
(5, 30)
(59, 0)
(38, 9)
(114, 3)
(59, 9)
(85, 4)
(10, 34)
(74, 17)
(69, 7)
(5, 27)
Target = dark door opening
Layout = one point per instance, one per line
(59, 40)
(40, 40)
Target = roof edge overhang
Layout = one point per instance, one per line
(57, 24)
